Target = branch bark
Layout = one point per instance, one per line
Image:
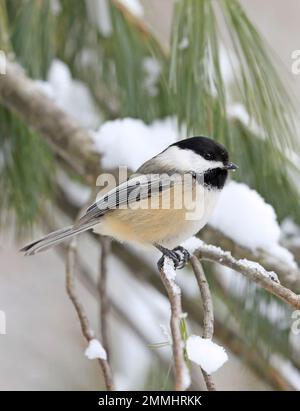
(289, 277)
(251, 270)
(87, 331)
(208, 310)
(174, 294)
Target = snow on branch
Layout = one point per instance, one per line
(209, 355)
(289, 276)
(250, 269)
(95, 350)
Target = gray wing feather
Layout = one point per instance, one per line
(135, 189)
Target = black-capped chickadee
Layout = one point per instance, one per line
(128, 212)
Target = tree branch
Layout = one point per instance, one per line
(167, 274)
(249, 269)
(289, 277)
(87, 332)
(208, 310)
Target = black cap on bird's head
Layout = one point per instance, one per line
(207, 148)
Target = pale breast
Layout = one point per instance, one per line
(168, 219)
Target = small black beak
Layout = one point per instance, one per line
(230, 166)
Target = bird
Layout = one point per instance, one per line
(194, 169)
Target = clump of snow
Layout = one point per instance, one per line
(130, 142)
(170, 273)
(152, 69)
(71, 95)
(169, 270)
(253, 265)
(134, 6)
(204, 352)
(95, 350)
(221, 254)
(192, 244)
(243, 215)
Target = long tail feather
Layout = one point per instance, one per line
(54, 238)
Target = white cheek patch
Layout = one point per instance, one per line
(185, 160)
(199, 164)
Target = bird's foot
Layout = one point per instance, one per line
(179, 255)
(183, 254)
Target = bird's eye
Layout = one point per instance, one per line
(207, 156)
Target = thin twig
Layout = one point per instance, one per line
(252, 270)
(71, 291)
(174, 294)
(208, 310)
(87, 332)
(102, 290)
(289, 276)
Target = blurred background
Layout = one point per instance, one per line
(137, 75)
